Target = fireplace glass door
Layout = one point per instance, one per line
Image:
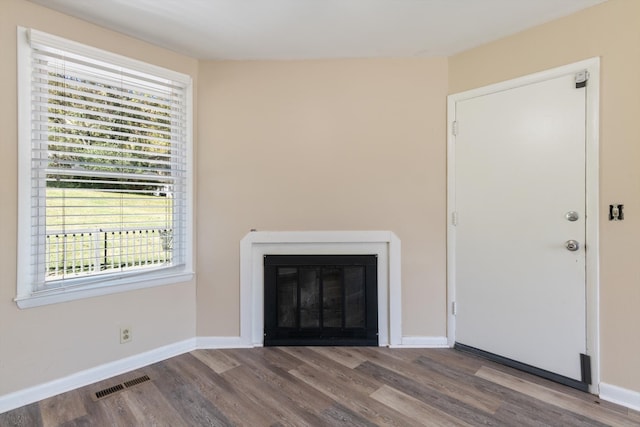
(321, 300)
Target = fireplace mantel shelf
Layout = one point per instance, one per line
(256, 244)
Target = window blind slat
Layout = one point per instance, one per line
(104, 114)
(108, 174)
(57, 127)
(81, 160)
(74, 79)
(102, 70)
(93, 93)
(124, 162)
(160, 130)
(40, 136)
(97, 101)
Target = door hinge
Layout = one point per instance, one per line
(454, 128)
(454, 218)
(582, 78)
(454, 308)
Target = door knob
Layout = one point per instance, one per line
(572, 216)
(572, 245)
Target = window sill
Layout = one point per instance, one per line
(107, 288)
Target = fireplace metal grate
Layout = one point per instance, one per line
(320, 300)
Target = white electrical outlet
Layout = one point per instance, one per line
(125, 334)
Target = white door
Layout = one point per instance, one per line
(519, 172)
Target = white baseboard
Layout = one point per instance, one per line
(92, 375)
(422, 342)
(206, 343)
(621, 396)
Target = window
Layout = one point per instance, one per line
(105, 184)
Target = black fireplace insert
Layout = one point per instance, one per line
(320, 300)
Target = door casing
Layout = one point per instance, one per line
(592, 200)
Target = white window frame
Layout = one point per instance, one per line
(26, 297)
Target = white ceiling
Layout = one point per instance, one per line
(304, 29)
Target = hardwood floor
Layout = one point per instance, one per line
(325, 386)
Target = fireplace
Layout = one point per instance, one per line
(320, 300)
(257, 244)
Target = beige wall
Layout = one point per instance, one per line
(45, 343)
(611, 31)
(322, 145)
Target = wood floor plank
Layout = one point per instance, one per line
(113, 411)
(25, 416)
(287, 410)
(238, 410)
(339, 415)
(533, 416)
(305, 397)
(555, 398)
(273, 381)
(192, 407)
(457, 388)
(428, 395)
(149, 407)
(406, 354)
(272, 356)
(356, 382)
(62, 408)
(83, 421)
(341, 355)
(358, 402)
(634, 415)
(463, 362)
(415, 409)
(218, 361)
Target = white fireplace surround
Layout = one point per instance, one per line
(255, 245)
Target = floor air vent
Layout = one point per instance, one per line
(119, 387)
(136, 381)
(109, 391)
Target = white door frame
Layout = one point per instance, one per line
(592, 197)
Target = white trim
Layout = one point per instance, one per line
(451, 241)
(210, 343)
(385, 244)
(592, 199)
(423, 342)
(593, 219)
(132, 283)
(621, 396)
(89, 376)
(24, 271)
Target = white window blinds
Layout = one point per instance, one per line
(108, 167)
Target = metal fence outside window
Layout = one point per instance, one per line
(84, 252)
